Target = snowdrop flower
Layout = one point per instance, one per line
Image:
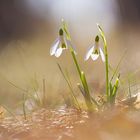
(60, 44)
(95, 51)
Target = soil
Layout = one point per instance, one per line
(72, 124)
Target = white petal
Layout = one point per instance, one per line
(54, 47)
(89, 53)
(94, 56)
(102, 55)
(58, 52)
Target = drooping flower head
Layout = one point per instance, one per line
(95, 51)
(59, 45)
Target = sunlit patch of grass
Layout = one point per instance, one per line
(32, 99)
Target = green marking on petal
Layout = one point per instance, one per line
(61, 32)
(97, 39)
(63, 45)
(95, 51)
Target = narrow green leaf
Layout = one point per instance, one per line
(85, 85)
(129, 88)
(111, 88)
(44, 91)
(117, 67)
(70, 87)
(81, 89)
(115, 88)
(24, 108)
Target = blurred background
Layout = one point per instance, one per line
(28, 28)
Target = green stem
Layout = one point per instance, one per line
(106, 61)
(81, 74)
(84, 82)
(75, 61)
(107, 75)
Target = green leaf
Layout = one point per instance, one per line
(111, 88)
(115, 89)
(85, 85)
(70, 86)
(24, 108)
(81, 89)
(117, 67)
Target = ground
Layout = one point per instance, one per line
(72, 124)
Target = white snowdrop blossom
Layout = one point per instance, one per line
(95, 51)
(60, 44)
